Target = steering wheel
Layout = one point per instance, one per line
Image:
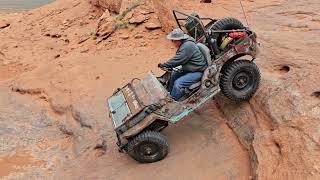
(166, 69)
(170, 69)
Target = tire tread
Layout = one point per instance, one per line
(228, 71)
(152, 136)
(225, 23)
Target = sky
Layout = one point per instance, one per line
(22, 4)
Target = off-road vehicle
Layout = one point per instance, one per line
(143, 107)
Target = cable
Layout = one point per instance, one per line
(244, 13)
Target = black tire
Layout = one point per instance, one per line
(224, 24)
(148, 147)
(240, 80)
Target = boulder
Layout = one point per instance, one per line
(164, 12)
(105, 25)
(138, 36)
(124, 36)
(111, 5)
(138, 18)
(152, 24)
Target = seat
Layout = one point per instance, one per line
(195, 85)
(206, 53)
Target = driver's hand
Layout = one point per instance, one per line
(160, 65)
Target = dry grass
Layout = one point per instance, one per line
(119, 21)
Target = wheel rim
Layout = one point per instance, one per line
(242, 80)
(148, 150)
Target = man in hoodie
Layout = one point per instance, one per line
(190, 58)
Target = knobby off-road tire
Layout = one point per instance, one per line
(240, 80)
(148, 147)
(224, 24)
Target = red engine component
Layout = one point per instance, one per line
(237, 34)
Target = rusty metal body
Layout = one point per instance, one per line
(141, 104)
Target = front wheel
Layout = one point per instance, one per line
(148, 147)
(240, 80)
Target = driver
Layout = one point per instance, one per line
(190, 58)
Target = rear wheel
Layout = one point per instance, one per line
(148, 147)
(240, 80)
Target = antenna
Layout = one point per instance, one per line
(244, 13)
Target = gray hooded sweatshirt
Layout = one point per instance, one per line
(189, 56)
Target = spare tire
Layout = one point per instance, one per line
(224, 24)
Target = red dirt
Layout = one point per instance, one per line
(18, 163)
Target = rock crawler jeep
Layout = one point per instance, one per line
(143, 107)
